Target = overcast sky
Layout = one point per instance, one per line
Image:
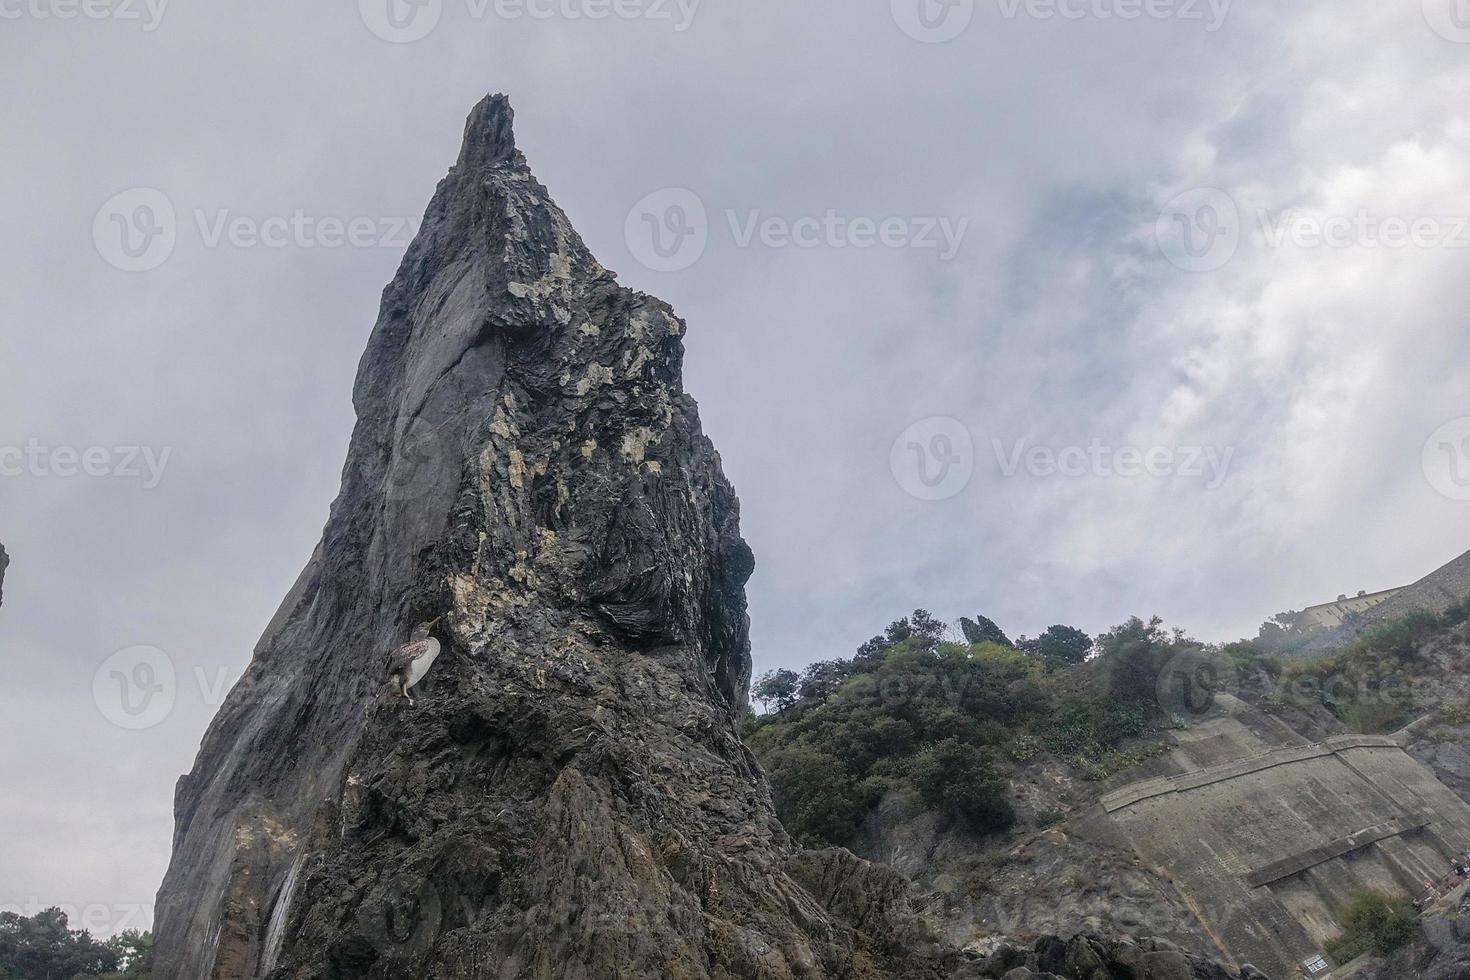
(1052, 310)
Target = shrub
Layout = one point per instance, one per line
(1374, 922)
(915, 712)
(955, 779)
(817, 797)
(1060, 646)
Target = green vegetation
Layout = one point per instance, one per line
(42, 947)
(1379, 682)
(1374, 922)
(947, 716)
(944, 719)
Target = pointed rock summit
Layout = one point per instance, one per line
(568, 798)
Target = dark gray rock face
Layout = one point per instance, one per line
(569, 798)
(4, 564)
(1095, 958)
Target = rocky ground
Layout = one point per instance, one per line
(1440, 951)
(1098, 958)
(1065, 879)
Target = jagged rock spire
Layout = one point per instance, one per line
(569, 798)
(489, 133)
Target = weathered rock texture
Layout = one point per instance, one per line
(569, 799)
(1096, 958)
(1269, 835)
(1078, 877)
(1439, 950)
(4, 564)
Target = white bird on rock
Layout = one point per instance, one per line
(410, 663)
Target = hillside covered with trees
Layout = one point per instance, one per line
(945, 714)
(44, 947)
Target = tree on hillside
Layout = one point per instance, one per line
(41, 947)
(983, 630)
(820, 681)
(134, 951)
(921, 626)
(1282, 628)
(956, 779)
(778, 687)
(1135, 653)
(1061, 646)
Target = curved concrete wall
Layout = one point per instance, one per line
(1268, 847)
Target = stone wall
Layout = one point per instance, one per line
(1268, 844)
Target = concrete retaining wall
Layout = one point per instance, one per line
(1268, 847)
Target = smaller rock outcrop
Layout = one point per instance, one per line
(4, 564)
(1096, 958)
(1439, 950)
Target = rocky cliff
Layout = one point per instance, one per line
(4, 564)
(569, 797)
(1096, 958)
